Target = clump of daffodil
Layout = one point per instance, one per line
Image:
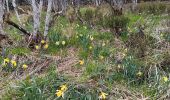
(63, 87)
(91, 38)
(81, 62)
(101, 57)
(123, 55)
(37, 47)
(43, 41)
(119, 66)
(90, 47)
(60, 92)
(6, 61)
(81, 35)
(103, 44)
(14, 63)
(126, 50)
(46, 46)
(139, 73)
(63, 42)
(57, 43)
(77, 25)
(24, 66)
(84, 27)
(102, 96)
(162, 35)
(165, 78)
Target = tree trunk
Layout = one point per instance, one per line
(16, 12)
(48, 18)
(1, 17)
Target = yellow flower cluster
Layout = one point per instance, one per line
(58, 43)
(63, 89)
(43, 43)
(102, 96)
(24, 66)
(165, 79)
(81, 62)
(12, 62)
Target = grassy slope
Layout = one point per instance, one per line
(99, 71)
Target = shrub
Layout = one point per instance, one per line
(151, 8)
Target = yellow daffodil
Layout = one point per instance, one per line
(81, 35)
(63, 87)
(125, 50)
(123, 55)
(63, 42)
(59, 93)
(42, 41)
(36, 47)
(81, 62)
(103, 44)
(91, 38)
(118, 66)
(103, 95)
(46, 46)
(90, 47)
(57, 43)
(14, 63)
(101, 57)
(24, 66)
(165, 79)
(6, 61)
(139, 73)
(77, 25)
(84, 27)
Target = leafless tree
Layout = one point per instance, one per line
(48, 18)
(1, 16)
(36, 15)
(16, 12)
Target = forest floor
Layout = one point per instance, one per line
(90, 62)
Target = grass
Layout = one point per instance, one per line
(110, 65)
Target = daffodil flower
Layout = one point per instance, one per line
(81, 35)
(102, 96)
(91, 38)
(59, 93)
(6, 61)
(42, 41)
(57, 43)
(63, 42)
(36, 47)
(24, 66)
(139, 73)
(63, 87)
(81, 62)
(84, 27)
(101, 57)
(165, 79)
(46, 46)
(14, 63)
(90, 47)
(103, 44)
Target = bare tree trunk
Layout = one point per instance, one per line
(36, 15)
(48, 18)
(16, 12)
(7, 5)
(134, 4)
(1, 16)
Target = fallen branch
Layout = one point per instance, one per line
(7, 20)
(18, 27)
